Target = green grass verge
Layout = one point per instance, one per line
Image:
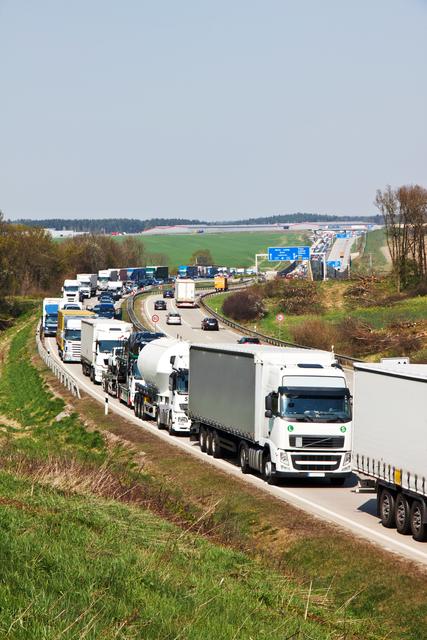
(373, 259)
(228, 249)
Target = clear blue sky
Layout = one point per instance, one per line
(211, 109)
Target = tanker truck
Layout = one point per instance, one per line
(162, 395)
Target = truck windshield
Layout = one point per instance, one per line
(73, 334)
(71, 288)
(51, 319)
(107, 346)
(309, 407)
(182, 382)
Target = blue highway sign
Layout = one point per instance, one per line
(277, 254)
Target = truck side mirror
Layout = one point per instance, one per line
(172, 360)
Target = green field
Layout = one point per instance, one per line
(228, 249)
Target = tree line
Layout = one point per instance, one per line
(132, 225)
(32, 263)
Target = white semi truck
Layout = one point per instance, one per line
(163, 392)
(105, 276)
(185, 292)
(285, 412)
(88, 284)
(99, 338)
(50, 315)
(70, 291)
(390, 441)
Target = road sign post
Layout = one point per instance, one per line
(154, 319)
(279, 318)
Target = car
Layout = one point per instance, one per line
(71, 306)
(104, 311)
(173, 318)
(160, 305)
(210, 324)
(248, 340)
(168, 293)
(105, 297)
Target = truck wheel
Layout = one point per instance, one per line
(268, 469)
(209, 443)
(136, 407)
(158, 420)
(403, 511)
(203, 436)
(92, 375)
(216, 445)
(387, 509)
(244, 457)
(171, 430)
(418, 527)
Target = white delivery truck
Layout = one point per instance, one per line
(70, 291)
(285, 412)
(163, 392)
(99, 338)
(50, 316)
(115, 287)
(105, 276)
(185, 292)
(88, 284)
(390, 441)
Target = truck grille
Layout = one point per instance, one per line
(316, 442)
(184, 407)
(315, 463)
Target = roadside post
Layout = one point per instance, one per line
(154, 319)
(279, 318)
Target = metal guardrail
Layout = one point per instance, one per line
(57, 369)
(343, 359)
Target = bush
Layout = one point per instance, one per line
(315, 333)
(299, 297)
(244, 305)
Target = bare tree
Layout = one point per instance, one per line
(405, 217)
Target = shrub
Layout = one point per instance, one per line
(299, 297)
(315, 333)
(244, 305)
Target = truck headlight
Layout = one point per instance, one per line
(283, 459)
(347, 459)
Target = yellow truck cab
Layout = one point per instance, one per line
(68, 334)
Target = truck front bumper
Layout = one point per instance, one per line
(181, 424)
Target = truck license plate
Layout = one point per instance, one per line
(316, 474)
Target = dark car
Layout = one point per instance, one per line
(104, 311)
(248, 340)
(160, 305)
(210, 324)
(105, 297)
(168, 293)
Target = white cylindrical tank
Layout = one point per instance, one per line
(154, 361)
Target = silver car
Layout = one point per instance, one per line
(173, 318)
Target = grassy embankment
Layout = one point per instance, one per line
(87, 551)
(229, 249)
(375, 256)
(335, 310)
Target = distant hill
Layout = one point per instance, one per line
(134, 225)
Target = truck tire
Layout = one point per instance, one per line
(92, 375)
(418, 527)
(403, 514)
(158, 420)
(386, 508)
(216, 445)
(203, 438)
(171, 430)
(209, 443)
(268, 469)
(244, 457)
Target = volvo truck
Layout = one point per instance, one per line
(285, 412)
(162, 395)
(99, 338)
(390, 441)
